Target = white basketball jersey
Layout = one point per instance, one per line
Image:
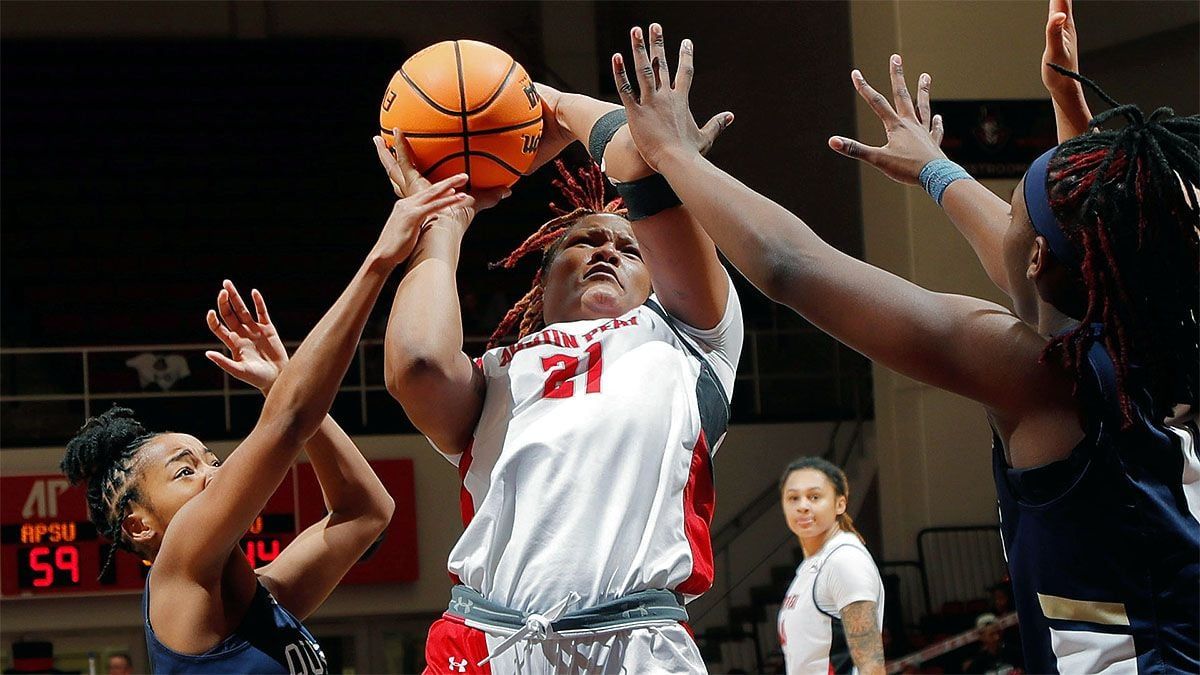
(810, 618)
(590, 466)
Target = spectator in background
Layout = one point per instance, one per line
(995, 654)
(120, 664)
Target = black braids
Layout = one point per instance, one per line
(1117, 196)
(1080, 78)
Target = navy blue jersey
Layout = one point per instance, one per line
(268, 640)
(1104, 546)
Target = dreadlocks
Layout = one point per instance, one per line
(1126, 199)
(584, 190)
(101, 455)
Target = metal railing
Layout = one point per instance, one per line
(45, 393)
(959, 563)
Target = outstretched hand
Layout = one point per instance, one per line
(407, 180)
(257, 353)
(914, 136)
(660, 118)
(1062, 49)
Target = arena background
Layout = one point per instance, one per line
(152, 149)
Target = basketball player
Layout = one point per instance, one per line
(831, 620)
(169, 499)
(1099, 493)
(584, 448)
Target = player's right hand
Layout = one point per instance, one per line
(413, 213)
(914, 136)
(407, 180)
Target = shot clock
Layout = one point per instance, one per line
(48, 546)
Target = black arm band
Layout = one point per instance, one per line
(643, 197)
(647, 196)
(603, 131)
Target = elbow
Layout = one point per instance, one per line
(402, 376)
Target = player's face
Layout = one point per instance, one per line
(598, 272)
(811, 504)
(172, 468)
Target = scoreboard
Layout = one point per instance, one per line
(48, 546)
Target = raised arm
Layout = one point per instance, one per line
(932, 337)
(359, 507)
(425, 369)
(687, 275)
(208, 527)
(1071, 112)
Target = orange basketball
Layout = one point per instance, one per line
(465, 107)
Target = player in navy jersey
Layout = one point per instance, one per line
(1090, 383)
(167, 498)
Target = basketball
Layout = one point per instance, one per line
(465, 107)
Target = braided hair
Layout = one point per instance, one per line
(584, 190)
(102, 455)
(1126, 199)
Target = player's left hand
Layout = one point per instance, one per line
(660, 118)
(257, 353)
(1062, 49)
(914, 136)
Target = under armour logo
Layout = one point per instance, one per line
(460, 666)
(462, 606)
(640, 610)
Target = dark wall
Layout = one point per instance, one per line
(139, 172)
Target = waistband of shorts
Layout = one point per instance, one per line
(653, 607)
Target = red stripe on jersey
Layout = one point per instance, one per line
(698, 503)
(466, 505)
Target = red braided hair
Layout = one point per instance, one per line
(1125, 199)
(584, 190)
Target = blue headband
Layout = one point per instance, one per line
(1037, 202)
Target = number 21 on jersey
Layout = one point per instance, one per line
(562, 369)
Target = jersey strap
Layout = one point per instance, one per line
(710, 394)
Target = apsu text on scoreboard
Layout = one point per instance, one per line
(48, 546)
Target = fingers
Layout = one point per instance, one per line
(486, 199)
(641, 62)
(874, 99)
(388, 161)
(218, 329)
(685, 72)
(937, 131)
(1055, 26)
(239, 306)
(260, 306)
(853, 149)
(224, 363)
(903, 100)
(443, 187)
(621, 78)
(923, 84)
(713, 128)
(658, 57)
(229, 316)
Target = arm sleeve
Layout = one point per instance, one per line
(721, 345)
(849, 575)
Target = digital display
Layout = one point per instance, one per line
(48, 546)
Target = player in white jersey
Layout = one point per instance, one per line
(585, 447)
(831, 620)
